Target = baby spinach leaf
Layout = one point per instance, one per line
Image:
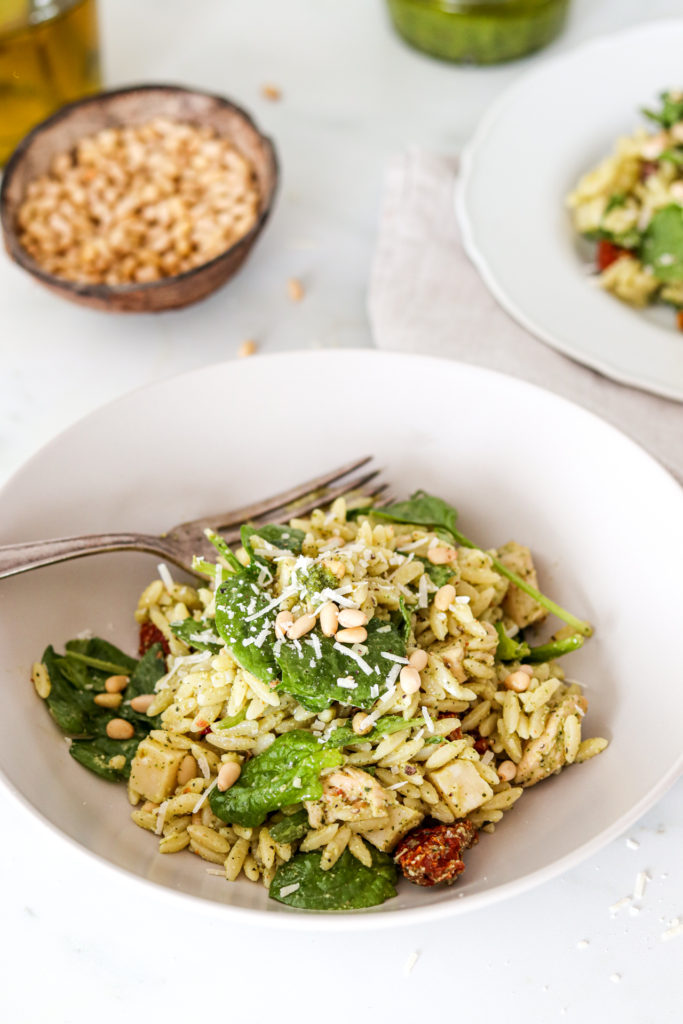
(291, 828)
(615, 202)
(348, 885)
(101, 655)
(554, 649)
(230, 720)
(509, 649)
(237, 599)
(314, 681)
(70, 705)
(285, 537)
(286, 773)
(674, 155)
(344, 736)
(671, 112)
(222, 548)
(438, 574)
(71, 701)
(317, 579)
(422, 509)
(96, 754)
(512, 650)
(147, 673)
(197, 634)
(662, 247)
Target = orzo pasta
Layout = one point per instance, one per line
(352, 692)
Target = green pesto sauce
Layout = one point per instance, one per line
(480, 31)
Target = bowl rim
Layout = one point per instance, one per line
(371, 919)
(107, 291)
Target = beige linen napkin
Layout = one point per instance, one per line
(426, 296)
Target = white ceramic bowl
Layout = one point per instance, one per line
(549, 128)
(603, 519)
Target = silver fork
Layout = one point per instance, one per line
(181, 542)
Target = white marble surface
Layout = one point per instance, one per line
(77, 942)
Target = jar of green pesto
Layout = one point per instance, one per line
(478, 31)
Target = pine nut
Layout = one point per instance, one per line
(444, 597)
(108, 700)
(507, 771)
(119, 729)
(228, 775)
(528, 669)
(362, 724)
(142, 702)
(247, 348)
(352, 617)
(295, 289)
(115, 684)
(418, 660)
(517, 681)
(441, 555)
(304, 624)
(271, 92)
(188, 770)
(410, 679)
(283, 622)
(352, 636)
(336, 567)
(329, 619)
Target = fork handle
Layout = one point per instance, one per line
(16, 558)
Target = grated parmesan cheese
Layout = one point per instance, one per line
(165, 575)
(394, 657)
(161, 818)
(640, 884)
(287, 890)
(204, 796)
(393, 675)
(411, 961)
(354, 657)
(616, 907)
(347, 683)
(673, 931)
(428, 719)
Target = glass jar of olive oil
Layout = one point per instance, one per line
(48, 56)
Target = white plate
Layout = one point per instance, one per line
(555, 123)
(603, 519)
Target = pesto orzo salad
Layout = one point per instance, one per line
(631, 205)
(352, 697)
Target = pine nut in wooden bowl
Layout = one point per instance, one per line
(140, 199)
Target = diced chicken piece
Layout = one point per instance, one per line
(154, 770)
(452, 652)
(461, 786)
(352, 795)
(521, 608)
(401, 820)
(546, 755)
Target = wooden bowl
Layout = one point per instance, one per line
(121, 108)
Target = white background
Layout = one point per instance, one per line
(79, 943)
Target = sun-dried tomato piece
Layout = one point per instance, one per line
(150, 635)
(607, 253)
(455, 734)
(481, 745)
(430, 855)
